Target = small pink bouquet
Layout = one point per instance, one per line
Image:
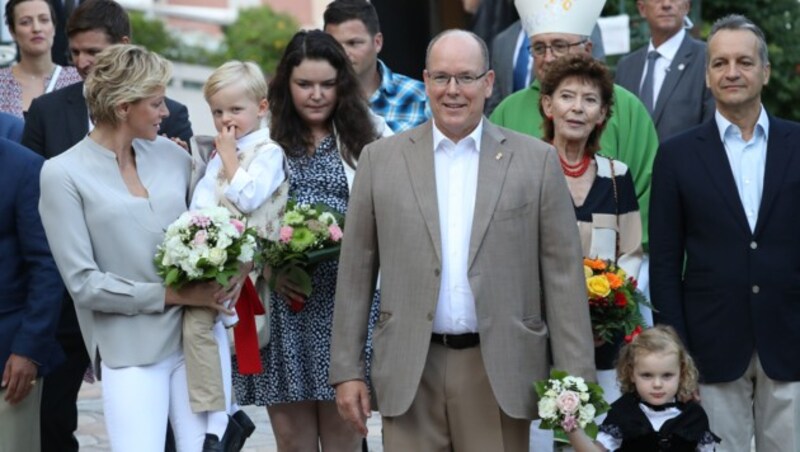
(308, 235)
(567, 402)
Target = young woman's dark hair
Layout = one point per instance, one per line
(350, 117)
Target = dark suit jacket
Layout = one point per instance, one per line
(57, 121)
(739, 291)
(11, 127)
(30, 286)
(684, 101)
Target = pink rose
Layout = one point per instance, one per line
(200, 237)
(238, 225)
(569, 423)
(336, 232)
(568, 402)
(286, 234)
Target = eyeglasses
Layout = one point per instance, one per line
(442, 79)
(558, 48)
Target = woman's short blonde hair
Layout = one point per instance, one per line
(245, 72)
(123, 73)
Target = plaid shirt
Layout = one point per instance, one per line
(400, 100)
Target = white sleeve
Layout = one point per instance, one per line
(608, 441)
(250, 188)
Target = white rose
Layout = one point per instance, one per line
(217, 256)
(547, 408)
(327, 218)
(584, 396)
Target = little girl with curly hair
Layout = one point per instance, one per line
(655, 374)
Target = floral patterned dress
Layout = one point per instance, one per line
(297, 358)
(11, 91)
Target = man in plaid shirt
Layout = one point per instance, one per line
(399, 99)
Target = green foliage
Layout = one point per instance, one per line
(261, 35)
(151, 34)
(780, 20)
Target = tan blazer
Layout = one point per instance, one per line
(524, 269)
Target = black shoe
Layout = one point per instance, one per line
(234, 437)
(245, 422)
(212, 444)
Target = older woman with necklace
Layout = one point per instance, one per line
(577, 97)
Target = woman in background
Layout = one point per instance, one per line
(321, 120)
(32, 25)
(577, 97)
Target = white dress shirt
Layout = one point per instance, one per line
(747, 160)
(666, 51)
(456, 166)
(249, 188)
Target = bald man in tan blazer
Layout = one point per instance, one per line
(458, 390)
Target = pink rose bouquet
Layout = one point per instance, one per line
(308, 235)
(567, 402)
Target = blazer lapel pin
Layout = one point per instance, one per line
(681, 67)
(498, 156)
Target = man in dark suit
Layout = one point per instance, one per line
(30, 299)
(669, 73)
(723, 236)
(55, 123)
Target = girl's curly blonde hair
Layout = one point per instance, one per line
(658, 339)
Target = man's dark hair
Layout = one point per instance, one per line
(107, 16)
(340, 11)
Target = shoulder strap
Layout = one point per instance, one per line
(616, 206)
(53, 79)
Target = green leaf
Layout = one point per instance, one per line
(299, 277)
(172, 277)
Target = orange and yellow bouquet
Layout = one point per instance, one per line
(613, 299)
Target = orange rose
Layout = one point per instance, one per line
(614, 280)
(594, 264)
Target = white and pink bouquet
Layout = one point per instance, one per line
(309, 234)
(208, 244)
(567, 402)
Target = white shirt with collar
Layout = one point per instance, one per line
(748, 160)
(456, 166)
(249, 188)
(667, 51)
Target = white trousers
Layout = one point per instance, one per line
(137, 401)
